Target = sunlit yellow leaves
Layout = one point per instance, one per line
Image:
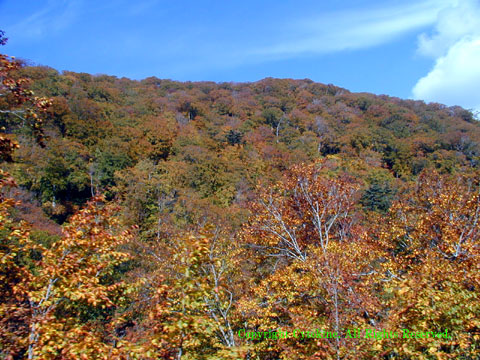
(434, 235)
(326, 261)
(192, 304)
(67, 278)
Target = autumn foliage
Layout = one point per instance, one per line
(433, 239)
(62, 291)
(180, 217)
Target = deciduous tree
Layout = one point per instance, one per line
(433, 236)
(53, 298)
(324, 263)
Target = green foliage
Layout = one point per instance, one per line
(234, 137)
(272, 116)
(377, 197)
(107, 163)
(58, 174)
(379, 193)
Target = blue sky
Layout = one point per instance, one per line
(424, 49)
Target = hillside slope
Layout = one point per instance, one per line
(206, 145)
(281, 219)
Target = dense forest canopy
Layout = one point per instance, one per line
(158, 219)
(213, 142)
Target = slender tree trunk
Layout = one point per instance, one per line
(278, 129)
(32, 339)
(93, 190)
(337, 320)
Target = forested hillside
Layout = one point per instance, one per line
(280, 219)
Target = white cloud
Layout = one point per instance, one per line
(357, 29)
(454, 23)
(455, 77)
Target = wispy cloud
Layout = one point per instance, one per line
(55, 16)
(455, 44)
(138, 8)
(353, 29)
